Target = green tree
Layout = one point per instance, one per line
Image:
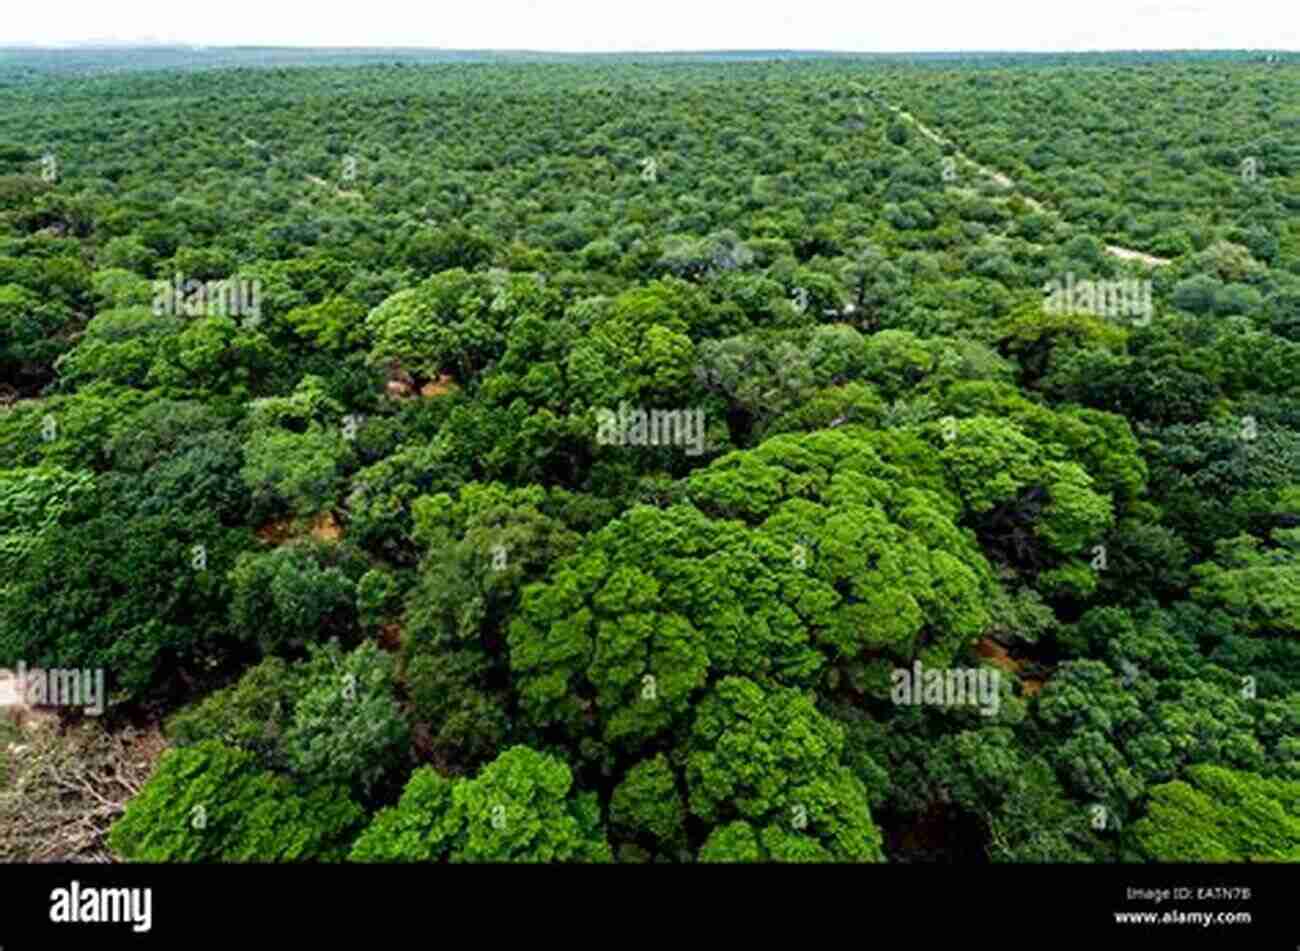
(815, 551)
(251, 714)
(347, 728)
(1215, 814)
(769, 759)
(210, 803)
(519, 808)
(647, 807)
(297, 593)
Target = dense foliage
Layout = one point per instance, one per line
(585, 450)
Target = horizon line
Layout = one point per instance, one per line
(122, 46)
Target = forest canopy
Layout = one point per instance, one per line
(492, 459)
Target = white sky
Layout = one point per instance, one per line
(608, 25)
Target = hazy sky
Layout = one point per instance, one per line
(596, 25)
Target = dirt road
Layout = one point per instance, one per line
(1126, 254)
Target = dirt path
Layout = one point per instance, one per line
(1124, 254)
(316, 180)
(1130, 255)
(962, 157)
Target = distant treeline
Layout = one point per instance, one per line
(15, 63)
